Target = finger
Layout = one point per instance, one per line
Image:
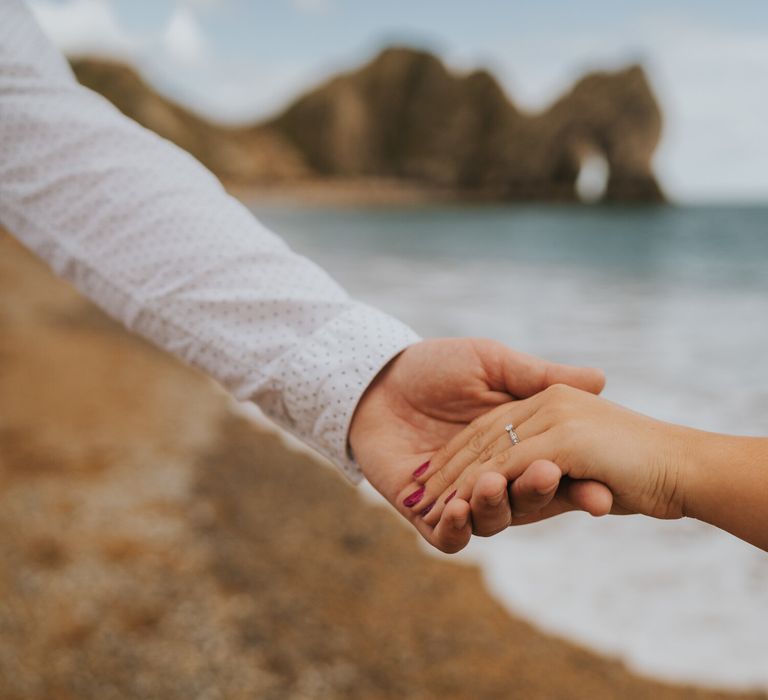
(593, 497)
(557, 506)
(588, 379)
(454, 529)
(490, 505)
(535, 488)
(524, 375)
(510, 462)
(484, 440)
(456, 444)
(586, 495)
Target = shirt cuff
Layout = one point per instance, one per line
(327, 374)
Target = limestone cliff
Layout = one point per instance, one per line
(240, 155)
(406, 117)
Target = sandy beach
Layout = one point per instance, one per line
(357, 192)
(157, 544)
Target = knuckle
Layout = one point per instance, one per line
(568, 428)
(476, 443)
(443, 457)
(440, 453)
(486, 454)
(553, 390)
(558, 392)
(559, 402)
(440, 480)
(440, 458)
(499, 461)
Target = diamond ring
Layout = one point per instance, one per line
(512, 434)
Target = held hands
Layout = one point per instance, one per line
(445, 404)
(639, 459)
(423, 400)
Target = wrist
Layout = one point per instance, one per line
(371, 403)
(674, 460)
(690, 455)
(703, 466)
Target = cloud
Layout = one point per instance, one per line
(183, 39)
(709, 81)
(84, 26)
(314, 7)
(92, 27)
(203, 5)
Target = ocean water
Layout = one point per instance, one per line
(673, 303)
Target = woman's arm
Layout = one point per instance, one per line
(727, 484)
(651, 467)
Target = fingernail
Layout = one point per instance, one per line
(427, 509)
(450, 496)
(421, 469)
(414, 498)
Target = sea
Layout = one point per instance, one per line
(672, 302)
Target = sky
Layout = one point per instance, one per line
(237, 60)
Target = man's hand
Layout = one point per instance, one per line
(425, 397)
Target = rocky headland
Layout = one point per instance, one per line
(404, 123)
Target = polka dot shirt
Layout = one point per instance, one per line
(144, 230)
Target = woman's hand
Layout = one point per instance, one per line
(427, 396)
(641, 460)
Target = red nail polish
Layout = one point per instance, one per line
(421, 470)
(427, 509)
(450, 496)
(414, 498)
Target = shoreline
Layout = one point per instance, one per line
(358, 192)
(364, 193)
(375, 192)
(157, 543)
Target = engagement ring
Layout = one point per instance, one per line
(512, 434)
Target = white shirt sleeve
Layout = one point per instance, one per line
(140, 227)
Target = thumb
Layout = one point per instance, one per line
(524, 375)
(588, 379)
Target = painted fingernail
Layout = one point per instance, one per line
(421, 469)
(414, 498)
(427, 509)
(450, 496)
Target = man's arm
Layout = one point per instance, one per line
(145, 231)
(150, 235)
